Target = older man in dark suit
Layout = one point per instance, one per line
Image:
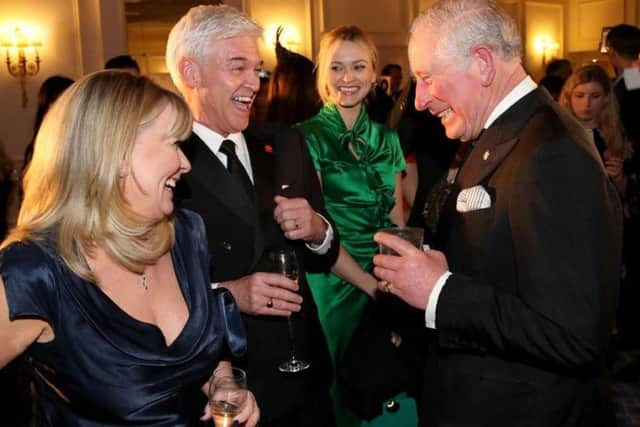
(257, 190)
(523, 302)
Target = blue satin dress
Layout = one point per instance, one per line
(112, 368)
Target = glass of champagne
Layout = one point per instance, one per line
(227, 394)
(284, 262)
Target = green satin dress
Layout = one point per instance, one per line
(358, 168)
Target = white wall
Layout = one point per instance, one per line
(77, 35)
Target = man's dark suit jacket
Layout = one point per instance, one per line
(629, 104)
(240, 234)
(523, 322)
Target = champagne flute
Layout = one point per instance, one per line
(227, 394)
(284, 262)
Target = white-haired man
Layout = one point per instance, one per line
(257, 190)
(523, 302)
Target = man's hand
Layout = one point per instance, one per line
(410, 276)
(298, 220)
(268, 294)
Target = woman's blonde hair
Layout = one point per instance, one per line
(608, 121)
(329, 44)
(73, 194)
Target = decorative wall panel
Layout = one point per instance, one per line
(589, 17)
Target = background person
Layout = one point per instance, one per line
(394, 72)
(588, 95)
(292, 88)
(49, 91)
(104, 287)
(623, 47)
(123, 63)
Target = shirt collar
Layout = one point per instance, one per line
(523, 88)
(213, 139)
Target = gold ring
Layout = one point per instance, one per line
(269, 303)
(386, 287)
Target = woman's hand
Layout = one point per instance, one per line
(613, 165)
(249, 413)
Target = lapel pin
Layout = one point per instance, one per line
(486, 155)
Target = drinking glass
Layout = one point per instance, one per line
(415, 235)
(284, 262)
(227, 394)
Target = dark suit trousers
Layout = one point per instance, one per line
(314, 412)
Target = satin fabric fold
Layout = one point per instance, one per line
(235, 334)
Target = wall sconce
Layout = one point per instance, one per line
(23, 67)
(547, 47)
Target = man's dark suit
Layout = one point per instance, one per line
(240, 234)
(629, 105)
(523, 322)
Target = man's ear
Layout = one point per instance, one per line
(189, 72)
(484, 64)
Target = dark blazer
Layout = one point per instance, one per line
(240, 232)
(523, 321)
(629, 106)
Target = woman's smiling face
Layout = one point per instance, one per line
(351, 74)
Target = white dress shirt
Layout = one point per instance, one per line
(522, 89)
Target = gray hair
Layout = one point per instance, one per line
(193, 33)
(459, 25)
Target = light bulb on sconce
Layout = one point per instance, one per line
(24, 65)
(547, 47)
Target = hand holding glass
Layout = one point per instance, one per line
(227, 394)
(284, 262)
(415, 235)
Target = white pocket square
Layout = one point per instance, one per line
(473, 199)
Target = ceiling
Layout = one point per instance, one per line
(160, 10)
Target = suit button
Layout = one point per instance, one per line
(392, 406)
(226, 245)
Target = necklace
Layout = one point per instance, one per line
(143, 282)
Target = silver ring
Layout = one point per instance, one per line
(269, 303)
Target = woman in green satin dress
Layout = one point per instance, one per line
(359, 163)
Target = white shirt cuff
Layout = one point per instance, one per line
(215, 285)
(430, 312)
(323, 247)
